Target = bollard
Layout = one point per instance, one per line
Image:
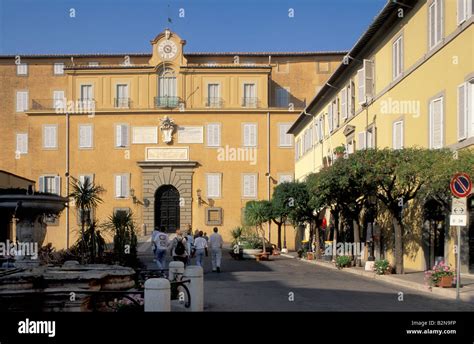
(157, 295)
(196, 287)
(175, 268)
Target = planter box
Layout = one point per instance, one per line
(446, 282)
(249, 253)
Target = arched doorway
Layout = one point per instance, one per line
(167, 208)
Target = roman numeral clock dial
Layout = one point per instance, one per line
(167, 50)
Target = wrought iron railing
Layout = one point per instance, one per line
(214, 102)
(167, 102)
(250, 102)
(122, 103)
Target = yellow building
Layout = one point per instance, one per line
(178, 138)
(408, 81)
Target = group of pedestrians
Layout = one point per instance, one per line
(185, 246)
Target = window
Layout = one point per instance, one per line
(21, 101)
(361, 141)
(50, 184)
(297, 149)
(58, 68)
(397, 135)
(122, 185)
(285, 140)
(350, 145)
(122, 100)
(397, 58)
(213, 185)
(282, 96)
(167, 89)
(465, 10)
(335, 113)
(436, 123)
(321, 128)
(86, 177)
(371, 137)
(121, 135)
(59, 100)
(213, 95)
(249, 134)
(249, 185)
(466, 110)
(365, 79)
(250, 96)
(50, 136)
(284, 178)
(86, 93)
(213, 135)
(85, 136)
(435, 14)
(351, 99)
(22, 69)
(22, 143)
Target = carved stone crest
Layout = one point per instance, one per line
(167, 127)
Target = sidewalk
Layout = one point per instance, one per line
(413, 280)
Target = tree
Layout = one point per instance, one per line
(256, 214)
(282, 194)
(86, 197)
(122, 224)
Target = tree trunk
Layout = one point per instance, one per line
(398, 228)
(264, 250)
(318, 241)
(279, 234)
(355, 224)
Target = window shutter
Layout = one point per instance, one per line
(57, 185)
(397, 135)
(436, 120)
(124, 186)
(362, 144)
(118, 186)
(321, 128)
(439, 20)
(85, 136)
(462, 111)
(21, 101)
(213, 135)
(335, 113)
(344, 103)
(118, 136)
(361, 86)
(461, 11)
(213, 185)
(316, 131)
(59, 99)
(284, 138)
(41, 184)
(22, 143)
(369, 79)
(330, 120)
(49, 137)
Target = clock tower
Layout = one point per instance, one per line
(167, 48)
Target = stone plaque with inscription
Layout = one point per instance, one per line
(190, 134)
(167, 154)
(141, 135)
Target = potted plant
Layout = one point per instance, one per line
(441, 275)
(339, 151)
(343, 261)
(382, 267)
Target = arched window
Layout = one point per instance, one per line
(167, 94)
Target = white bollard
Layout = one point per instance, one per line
(175, 268)
(195, 286)
(157, 295)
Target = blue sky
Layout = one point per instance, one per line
(117, 26)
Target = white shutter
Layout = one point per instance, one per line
(321, 128)
(369, 79)
(214, 135)
(49, 136)
(118, 135)
(57, 185)
(439, 20)
(124, 187)
(59, 68)
(436, 123)
(462, 111)
(250, 135)
(59, 100)
(285, 140)
(432, 24)
(250, 185)
(85, 136)
(41, 184)
(361, 86)
(461, 11)
(22, 143)
(118, 186)
(121, 135)
(22, 69)
(21, 101)
(335, 113)
(316, 131)
(330, 120)
(213, 185)
(344, 102)
(397, 135)
(361, 141)
(370, 138)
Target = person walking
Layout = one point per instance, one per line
(205, 236)
(179, 249)
(161, 244)
(190, 242)
(215, 244)
(200, 248)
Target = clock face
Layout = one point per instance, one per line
(167, 50)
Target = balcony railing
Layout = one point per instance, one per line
(250, 102)
(214, 102)
(122, 103)
(167, 102)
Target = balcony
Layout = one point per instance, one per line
(167, 102)
(63, 105)
(122, 103)
(250, 102)
(214, 102)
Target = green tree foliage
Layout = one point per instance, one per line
(256, 214)
(122, 225)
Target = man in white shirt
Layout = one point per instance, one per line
(215, 244)
(161, 243)
(200, 248)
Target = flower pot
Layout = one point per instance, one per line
(445, 282)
